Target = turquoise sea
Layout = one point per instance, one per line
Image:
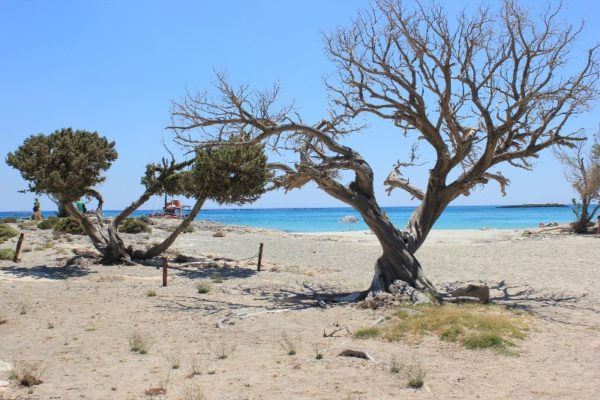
(328, 219)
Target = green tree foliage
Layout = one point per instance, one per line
(229, 174)
(65, 164)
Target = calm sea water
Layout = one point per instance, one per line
(328, 219)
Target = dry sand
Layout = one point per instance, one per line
(75, 322)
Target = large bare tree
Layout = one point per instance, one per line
(481, 89)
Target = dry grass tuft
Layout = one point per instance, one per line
(203, 287)
(138, 343)
(26, 374)
(288, 344)
(475, 326)
(194, 392)
(366, 333)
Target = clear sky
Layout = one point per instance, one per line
(115, 66)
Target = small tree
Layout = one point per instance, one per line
(583, 172)
(480, 91)
(68, 165)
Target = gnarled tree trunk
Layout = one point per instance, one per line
(165, 244)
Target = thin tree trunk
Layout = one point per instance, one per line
(580, 226)
(97, 240)
(165, 244)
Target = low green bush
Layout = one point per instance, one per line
(48, 223)
(134, 225)
(6, 232)
(8, 220)
(69, 225)
(7, 254)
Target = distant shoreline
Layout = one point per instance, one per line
(545, 205)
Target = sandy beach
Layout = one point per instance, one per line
(74, 323)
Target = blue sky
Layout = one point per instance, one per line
(116, 66)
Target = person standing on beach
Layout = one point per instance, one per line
(37, 213)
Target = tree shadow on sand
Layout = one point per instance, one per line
(544, 304)
(46, 272)
(212, 271)
(263, 300)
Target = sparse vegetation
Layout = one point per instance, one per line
(415, 376)
(216, 278)
(7, 232)
(203, 287)
(194, 393)
(475, 326)
(7, 254)
(151, 293)
(138, 343)
(8, 220)
(26, 374)
(288, 344)
(318, 348)
(174, 361)
(222, 351)
(394, 366)
(366, 333)
(196, 368)
(50, 325)
(45, 246)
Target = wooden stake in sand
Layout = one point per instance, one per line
(18, 250)
(260, 249)
(165, 266)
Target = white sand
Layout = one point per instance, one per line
(95, 309)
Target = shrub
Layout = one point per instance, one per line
(484, 341)
(288, 344)
(69, 225)
(7, 254)
(138, 343)
(8, 220)
(26, 374)
(7, 232)
(203, 287)
(134, 225)
(366, 333)
(48, 223)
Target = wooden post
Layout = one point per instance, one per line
(260, 249)
(18, 250)
(165, 265)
